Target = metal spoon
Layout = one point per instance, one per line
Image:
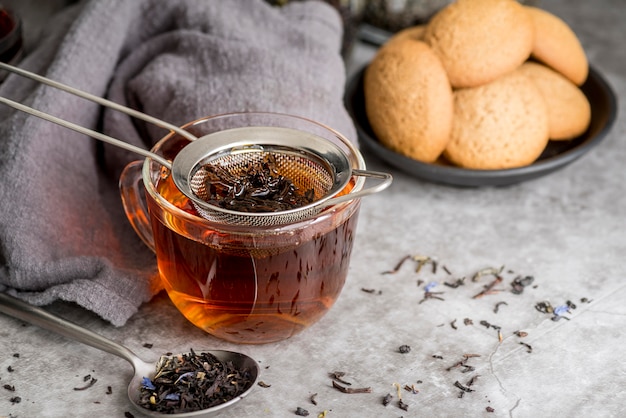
(37, 316)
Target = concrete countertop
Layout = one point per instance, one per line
(567, 230)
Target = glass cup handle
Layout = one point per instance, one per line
(132, 192)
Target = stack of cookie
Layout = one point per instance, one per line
(486, 84)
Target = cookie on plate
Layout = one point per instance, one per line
(414, 32)
(569, 111)
(408, 99)
(499, 125)
(557, 46)
(480, 40)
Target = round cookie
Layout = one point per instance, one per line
(569, 111)
(408, 99)
(480, 40)
(414, 32)
(500, 125)
(557, 46)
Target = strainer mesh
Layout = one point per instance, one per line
(306, 172)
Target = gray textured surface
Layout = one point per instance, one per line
(567, 230)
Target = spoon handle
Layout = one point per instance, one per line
(32, 314)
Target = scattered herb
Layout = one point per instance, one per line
(128, 415)
(402, 405)
(489, 271)
(404, 349)
(92, 382)
(463, 388)
(9, 388)
(398, 390)
(489, 289)
(457, 283)
(351, 390)
(562, 310)
(519, 283)
(544, 307)
(411, 389)
(431, 295)
(556, 312)
(463, 364)
(430, 286)
(109, 390)
(313, 400)
(338, 377)
(437, 356)
(263, 384)
(148, 345)
(397, 266)
(15, 399)
(529, 348)
(496, 327)
(380, 292)
(496, 308)
(301, 412)
(467, 388)
(422, 260)
(10, 369)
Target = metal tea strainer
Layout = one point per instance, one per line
(310, 162)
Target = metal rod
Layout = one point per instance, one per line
(86, 131)
(104, 102)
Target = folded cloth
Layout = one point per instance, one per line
(63, 233)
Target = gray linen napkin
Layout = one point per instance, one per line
(63, 233)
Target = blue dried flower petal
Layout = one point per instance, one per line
(430, 286)
(182, 376)
(147, 383)
(561, 310)
(172, 397)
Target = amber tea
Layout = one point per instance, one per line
(248, 285)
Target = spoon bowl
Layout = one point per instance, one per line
(144, 369)
(21, 310)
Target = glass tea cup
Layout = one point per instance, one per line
(244, 284)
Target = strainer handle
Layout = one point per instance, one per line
(96, 99)
(385, 178)
(134, 204)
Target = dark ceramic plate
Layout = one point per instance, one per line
(556, 155)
